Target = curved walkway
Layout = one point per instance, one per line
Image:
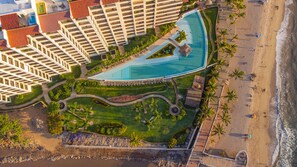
(44, 94)
(74, 95)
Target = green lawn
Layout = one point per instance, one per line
(212, 15)
(24, 98)
(161, 131)
(112, 91)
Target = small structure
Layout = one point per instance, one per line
(185, 50)
(174, 110)
(194, 94)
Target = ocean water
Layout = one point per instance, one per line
(285, 154)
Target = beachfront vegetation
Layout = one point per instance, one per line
(237, 74)
(24, 98)
(150, 120)
(231, 95)
(54, 119)
(218, 130)
(181, 36)
(225, 118)
(11, 131)
(238, 9)
(164, 52)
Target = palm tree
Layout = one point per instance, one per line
(225, 117)
(220, 63)
(209, 95)
(237, 74)
(225, 107)
(223, 33)
(235, 37)
(218, 130)
(135, 140)
(214, 73)
(231, 95)
(207, 111)
(211, 85)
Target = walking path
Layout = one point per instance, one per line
(75, 95)
(44, 94)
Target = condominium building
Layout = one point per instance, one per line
(45, 38)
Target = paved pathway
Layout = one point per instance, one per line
(75, 95)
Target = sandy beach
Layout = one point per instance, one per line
(262, 146)
(255, 55)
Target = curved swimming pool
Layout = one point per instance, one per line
(167, 67)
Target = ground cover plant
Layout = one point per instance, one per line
(164, 52)
(181, 36)
(62, 92)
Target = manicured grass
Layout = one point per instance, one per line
(212, 15)
(185, 82)
(161, 131)
(24, 98)
(164, 52)
(40, 8)
(112, 91)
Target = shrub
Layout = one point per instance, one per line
(110, 128)
(54, 120)
(10, 130)
(172, 143)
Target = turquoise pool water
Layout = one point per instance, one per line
(176, 65)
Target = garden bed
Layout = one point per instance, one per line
(164, 52)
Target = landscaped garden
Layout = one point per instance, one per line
(23, 98)
(212, 14)
(150, 120)
(181, 36)
(164, 52)
(94, 87)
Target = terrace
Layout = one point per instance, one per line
(51, 6)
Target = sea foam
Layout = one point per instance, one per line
(285, 136)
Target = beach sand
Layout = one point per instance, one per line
(254, 55)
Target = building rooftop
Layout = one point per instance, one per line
(18, 37)
(13, 6)
(79, 8)
(51, 6)
(2, 44)
(49, 22)
(9, 21)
